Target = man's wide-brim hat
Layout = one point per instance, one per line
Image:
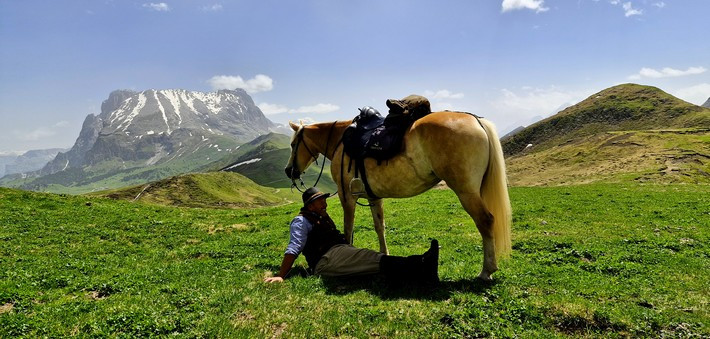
(312, 194)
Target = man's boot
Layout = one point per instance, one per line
(414, 268)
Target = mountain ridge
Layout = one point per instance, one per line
(623, 133)
(29, 161)
(150, 135)
(127, 117)
(621, 107)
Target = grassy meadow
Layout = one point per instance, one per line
(658, 156)
(595, 260)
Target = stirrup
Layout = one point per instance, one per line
(357, 187)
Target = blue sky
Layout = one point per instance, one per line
(507, 60)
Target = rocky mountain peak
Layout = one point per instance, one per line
(115, 99)
(154, 125)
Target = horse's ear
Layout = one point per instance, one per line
(294, 127)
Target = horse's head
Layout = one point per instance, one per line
(301, 154)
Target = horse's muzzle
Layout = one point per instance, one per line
(291, 173)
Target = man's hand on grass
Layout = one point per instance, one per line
(276, 279)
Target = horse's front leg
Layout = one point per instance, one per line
(378, 217)
(348, 204)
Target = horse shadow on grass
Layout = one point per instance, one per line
(379, 286)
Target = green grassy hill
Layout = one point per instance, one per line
(215, 189)
(262, 144)
(264, 160)
(93, 267)
(269, 170)
(626, 132)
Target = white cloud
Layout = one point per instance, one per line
(42, 132)
(442, 94)
(158, 7)
(443, 106)
(271, 109)
(630, 11)
(260, 83)
(697, 94)
(38, 133)
(212, 8)
(512, 108)
(320, 108)
(535, 5)
(534, 101)
(666, 72)
(308, 120)
(660, 4)
(305, 121)
(439, 99)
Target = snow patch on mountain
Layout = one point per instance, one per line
(250, 161)
(162, 110)
(136, 109)
(174, 99)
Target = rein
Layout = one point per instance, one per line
(299, 138)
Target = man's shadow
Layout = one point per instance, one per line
(378, 285)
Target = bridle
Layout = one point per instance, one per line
(314, 156)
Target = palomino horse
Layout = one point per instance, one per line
(458, 148)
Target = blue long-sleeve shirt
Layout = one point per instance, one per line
(300, 227)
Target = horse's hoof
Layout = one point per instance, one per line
(485, 277)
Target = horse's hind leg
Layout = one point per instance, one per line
(473, 204)
(379, 220)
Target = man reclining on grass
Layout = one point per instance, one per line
(328, 254)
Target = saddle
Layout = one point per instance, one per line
(372, 136)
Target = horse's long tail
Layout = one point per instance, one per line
(494, 191)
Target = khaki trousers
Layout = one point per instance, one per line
(346, 260)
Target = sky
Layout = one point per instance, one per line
(506, 60)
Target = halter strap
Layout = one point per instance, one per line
(325, 154)
(299, 138)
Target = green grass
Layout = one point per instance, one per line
(595, 260)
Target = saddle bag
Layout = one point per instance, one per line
(407, 110)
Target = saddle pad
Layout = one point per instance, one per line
(357, 135)
(385, 142)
